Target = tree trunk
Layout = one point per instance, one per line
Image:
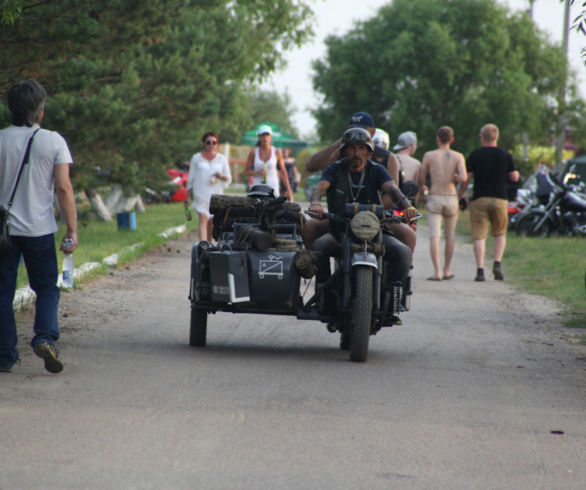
(98, 205)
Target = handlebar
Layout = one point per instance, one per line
(387, 218)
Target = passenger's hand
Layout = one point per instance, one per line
(316, 209)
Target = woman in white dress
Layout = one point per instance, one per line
(265, 163)
(209, 173)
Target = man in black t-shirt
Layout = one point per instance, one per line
(492, 168)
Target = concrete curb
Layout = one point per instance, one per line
(24, 296)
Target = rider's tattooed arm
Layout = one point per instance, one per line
(315, 205)
(396, 195)
(319, 190)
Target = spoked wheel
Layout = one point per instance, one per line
(361, 314)
(198, 328)
(529, 225)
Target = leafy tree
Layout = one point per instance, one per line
(269, 105)
(133, 85)
(419, 65)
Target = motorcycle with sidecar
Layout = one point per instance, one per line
(259, 261)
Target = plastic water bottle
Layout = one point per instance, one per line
(68, 266)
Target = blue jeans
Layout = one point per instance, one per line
(40, 259)
(398, 258)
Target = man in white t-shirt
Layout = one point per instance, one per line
(31, 222)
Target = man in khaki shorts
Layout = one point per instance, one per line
(492, 167)
(446, 167)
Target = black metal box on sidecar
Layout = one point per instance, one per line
(229, 276)
(274, 281)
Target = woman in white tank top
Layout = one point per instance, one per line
(265, 163)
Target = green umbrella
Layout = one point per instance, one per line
(280, 138)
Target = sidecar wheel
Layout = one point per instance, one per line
(198, 327)
(361, 314)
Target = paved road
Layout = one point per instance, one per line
(478, 390)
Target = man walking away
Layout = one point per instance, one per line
(31, 221)
(446, 168)
(492, 168)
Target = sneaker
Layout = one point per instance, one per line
(479, 275)
(496, 270)
(6, 368)
(50, 355)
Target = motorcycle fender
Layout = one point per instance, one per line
(196, 251)
(364, 258)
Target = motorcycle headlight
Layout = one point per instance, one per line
(365, 225)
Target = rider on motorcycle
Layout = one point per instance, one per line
(356, 178)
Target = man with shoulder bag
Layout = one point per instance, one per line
(34, 165)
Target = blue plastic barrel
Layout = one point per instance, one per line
(126, 221)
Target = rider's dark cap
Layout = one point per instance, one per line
(361, 120)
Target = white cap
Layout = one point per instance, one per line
(264, 129)
(381, 138)
(404, 140)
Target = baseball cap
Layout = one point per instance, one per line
(361, 120)
(404, 140)
(263, 129)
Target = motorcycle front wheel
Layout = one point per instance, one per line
(361, 314)
(198, 327)
(528, 225)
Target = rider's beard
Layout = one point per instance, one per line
(355, 163)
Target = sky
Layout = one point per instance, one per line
(338, 16)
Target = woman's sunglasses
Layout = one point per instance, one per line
(211, 143)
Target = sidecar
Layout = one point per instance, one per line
(254, 267)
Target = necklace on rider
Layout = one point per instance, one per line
(351, 184)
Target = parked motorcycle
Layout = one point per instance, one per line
(562, 211)
(259, 260)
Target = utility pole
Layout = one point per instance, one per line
(560, 124)
(525, 136)
(530, 9)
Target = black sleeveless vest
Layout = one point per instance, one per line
(339, 192)
(380, 156)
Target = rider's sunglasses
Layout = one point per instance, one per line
(211, 143)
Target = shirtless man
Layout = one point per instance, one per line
(446, 168)
(318, 161)
(405, 148)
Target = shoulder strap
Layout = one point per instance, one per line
(24, 162)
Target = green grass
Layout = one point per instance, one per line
(553, 267)
(99, 239)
